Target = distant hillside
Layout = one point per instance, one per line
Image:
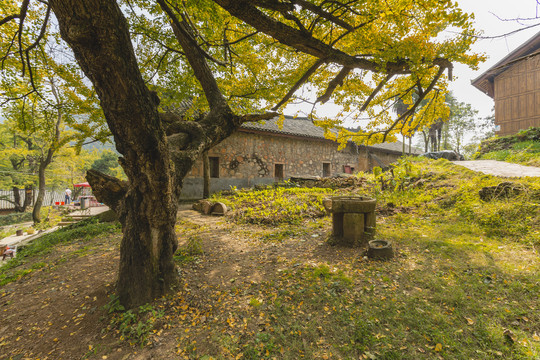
(97, 145)
(523, 148)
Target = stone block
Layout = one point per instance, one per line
(370, 225)
(353, 228)
(337, 225)
(353, 204)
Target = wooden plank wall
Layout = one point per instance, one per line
(517, 97)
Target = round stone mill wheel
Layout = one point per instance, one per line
(380, 249)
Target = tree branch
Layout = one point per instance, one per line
(183, 27)
(24, 9)
(333, 84)
(42, 31)
(196, 59)
(9, 18)
(247, 12)
(324, 14)
(421, 97)
(299, 83)
(375, 92)
(107, 189)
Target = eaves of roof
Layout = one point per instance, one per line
(485, 81)
(304, 128)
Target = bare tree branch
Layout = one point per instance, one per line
(108, 190)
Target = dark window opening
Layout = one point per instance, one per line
(326, 169)
(278, 171)
(214, 167)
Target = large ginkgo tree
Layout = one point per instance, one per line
(237, 61)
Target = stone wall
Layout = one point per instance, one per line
(250, 158)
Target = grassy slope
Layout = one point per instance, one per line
(464, 284)
(523, 148)
(465, 273)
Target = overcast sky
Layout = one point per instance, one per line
(486, 13)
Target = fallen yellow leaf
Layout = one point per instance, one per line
(438, 347)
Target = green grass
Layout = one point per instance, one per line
(15, 218)
(464, 274)
(28, 256)
(523, 148)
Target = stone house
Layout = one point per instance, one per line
(514, 85)
(262, 153)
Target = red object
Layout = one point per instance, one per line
(62, 203)
(57, 203)
(84, 184)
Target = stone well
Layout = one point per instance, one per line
(353, 220)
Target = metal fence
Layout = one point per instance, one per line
(51, 196)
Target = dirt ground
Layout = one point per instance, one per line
(56, 312)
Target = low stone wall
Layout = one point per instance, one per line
(193, 187)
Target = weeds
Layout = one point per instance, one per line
(135, 326)
(276, 205)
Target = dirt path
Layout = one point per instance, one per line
(500, 168)
(232, 252)
(56, 311)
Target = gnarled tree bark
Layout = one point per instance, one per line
(98, 33)
(158, 149)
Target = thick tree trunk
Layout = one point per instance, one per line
(154, 163)
(17, 200)
(206, 175)
(98, 34)
(147, 269)
(28, 196)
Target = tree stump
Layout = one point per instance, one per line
(219, 209)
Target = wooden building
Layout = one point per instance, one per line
(514, 85)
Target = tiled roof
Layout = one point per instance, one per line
(291, 126)
(304, 127)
